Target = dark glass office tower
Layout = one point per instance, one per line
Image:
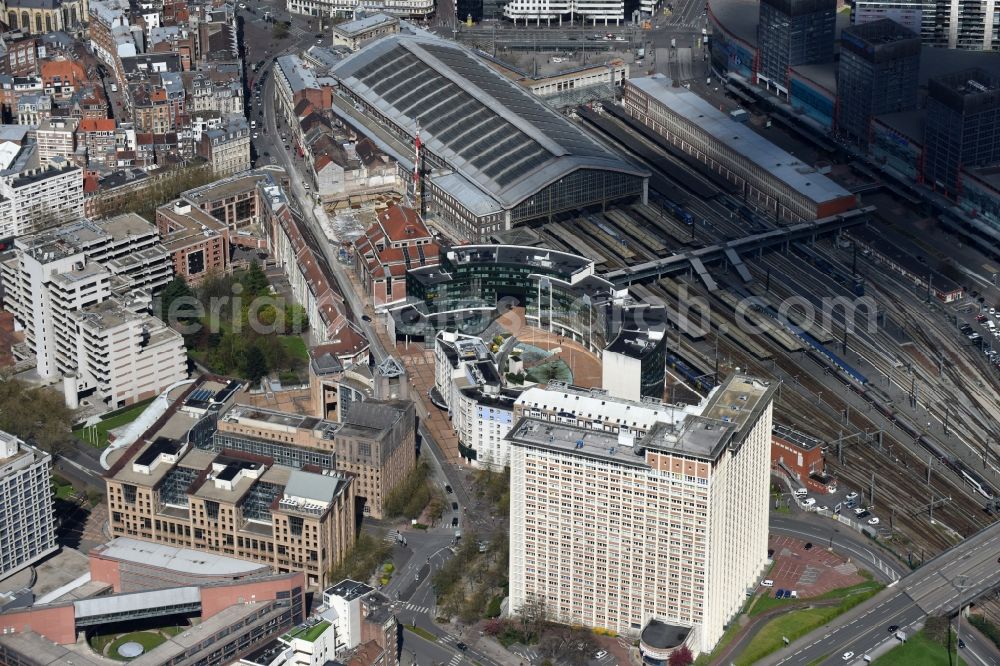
(794, 32)
(962, 127)
(879, 72)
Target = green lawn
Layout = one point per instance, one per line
(309, 634)
(918, 650)
(764, 604)
(62, 491)
(147, 639)
(99, 436)
(296, 347)
(801, 622)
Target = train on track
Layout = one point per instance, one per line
(885, 407)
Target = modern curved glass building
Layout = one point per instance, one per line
(476, 283)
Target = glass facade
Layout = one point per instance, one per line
(467, 302)
(794, 32)
(653, 372)
(963, 127)
(895, 151)
(175, 485)
(878, 73)
(583, 187)
(812, 102)
(283, 454)
(731, 55)
(257, 503)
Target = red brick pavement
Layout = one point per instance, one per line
(809, 572)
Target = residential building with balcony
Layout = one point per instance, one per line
(27, 522)
(613, 532)
(81, 291)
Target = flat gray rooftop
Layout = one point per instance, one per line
(741, 139)
(186, 560)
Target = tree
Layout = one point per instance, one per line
(254, 282)
(681, 657)
(175, 290)
(296, 319)
(533, 614)
(35, 414)
(255, 365)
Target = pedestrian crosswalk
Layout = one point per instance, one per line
(416, 609)
(686, 24)
(456, 660)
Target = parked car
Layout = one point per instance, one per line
(808, 502)
(852, 495)
(809, 546)
(767, 582)
(600, 654)
(873, 521)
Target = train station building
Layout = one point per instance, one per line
(491, 154)
(768, 176)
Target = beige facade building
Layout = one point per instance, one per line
(621, 533)
(56, 137)
(227, 148)
(235, 504)
(374, 443)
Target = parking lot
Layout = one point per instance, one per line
(808, 568)
(856, 505)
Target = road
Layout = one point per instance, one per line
(410, 587)
(842, 539)
(955, 577)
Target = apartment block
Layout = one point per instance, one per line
(233, 503)
(126, 355)
(625, 534)
(81, 291)
(397, 241)
(360, 614)
(27, 524)
(56, 138)
(97, 136)
(227, 147)
(374, 443)
(33, 197)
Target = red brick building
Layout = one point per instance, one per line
(98, 137)
(395, 243)
(801, 458)
(197, 242)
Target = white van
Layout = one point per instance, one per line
(990, 325)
